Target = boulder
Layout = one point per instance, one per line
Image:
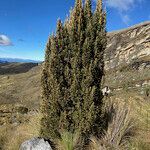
(35, 144)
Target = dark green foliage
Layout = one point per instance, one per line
(72, 73)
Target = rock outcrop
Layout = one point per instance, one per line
(129, 47)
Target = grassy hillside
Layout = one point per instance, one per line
(20, 99)
(15, 68)
(127, 78)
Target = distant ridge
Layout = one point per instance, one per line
(16, 67)
(5, 60)
(1, 61)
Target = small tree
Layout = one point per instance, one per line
(72, 73)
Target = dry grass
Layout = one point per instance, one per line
(120, 129)
(23, 88)
(128, 78)
(140, 111)
(121, 109)
(11, 136)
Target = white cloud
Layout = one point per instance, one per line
(126, 19)
(122, 5)
(5, 41)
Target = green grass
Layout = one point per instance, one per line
(68, 141)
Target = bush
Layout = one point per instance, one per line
(72, 74)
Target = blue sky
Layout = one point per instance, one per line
(26, 24)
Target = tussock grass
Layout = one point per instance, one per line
(120, 129)
(68, 141)
(139, 107)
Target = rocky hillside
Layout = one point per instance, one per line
(127, 59)
(129, 47)
(127, 68)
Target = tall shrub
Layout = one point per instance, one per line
(72, 73)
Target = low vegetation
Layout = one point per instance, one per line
(127, 78)
(75, 115)
(69, 141)
(11, 136)
(135, 121)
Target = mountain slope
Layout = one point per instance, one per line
(127, 60)
(127, 74)
(21, 88)
(15, 68)
(128, 46)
